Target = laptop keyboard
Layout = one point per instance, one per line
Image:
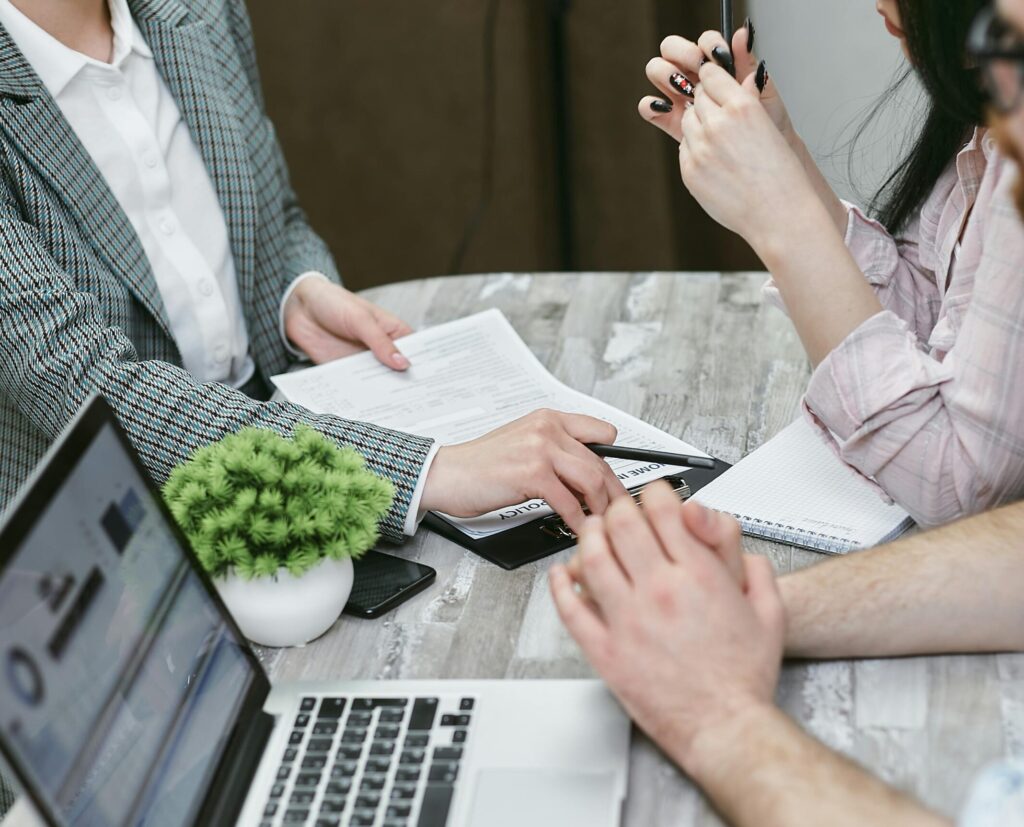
(371, 761)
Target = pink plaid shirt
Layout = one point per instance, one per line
(927, 397)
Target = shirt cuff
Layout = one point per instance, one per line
(859, 387)
(294, 351)
(415, 516)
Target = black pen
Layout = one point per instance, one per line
(727, 30)
(660, 457)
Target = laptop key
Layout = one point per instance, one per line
(331, 708)
(466, 705)
(437, 800)
(378, 765)
(400, 811)
(359, 719)
(392, 716)
(459, 736)
(344, 769)
(448, 754)
(368, 802)
(296, 816)
(301, 720)
(277, 791)
(340, 787)
(413, 740)
(283, 773)
(314, 762)
(372, 783)
(319, 745)
(382, 748)
(385, 732)
(444, 773)
(308, 704)
(307, 779)
(271, 810)
(328, 821)
(412, 756)
(290, 754)
(353, 736)
(296, 737)
(302, 797)
(373, 703)
(362, 819)
(325, 728)
(403, 793)
(407, 774)
(333, 805)
(423, 712)
(455, 720)
(349, 752)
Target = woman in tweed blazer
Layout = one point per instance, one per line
(81, 311)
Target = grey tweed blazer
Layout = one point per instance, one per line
(80, 310)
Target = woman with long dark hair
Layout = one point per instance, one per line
(913, 317)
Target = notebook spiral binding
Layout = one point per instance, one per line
(802, 538)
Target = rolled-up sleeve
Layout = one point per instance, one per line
(943, 436)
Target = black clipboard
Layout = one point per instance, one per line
(549, 535)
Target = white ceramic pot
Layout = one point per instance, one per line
(284, 610)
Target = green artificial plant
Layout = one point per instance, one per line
(256, 502)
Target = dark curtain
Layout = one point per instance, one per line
(382, 111)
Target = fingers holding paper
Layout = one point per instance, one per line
(540, 456)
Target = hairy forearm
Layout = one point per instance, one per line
(761, 770)
(955, 589)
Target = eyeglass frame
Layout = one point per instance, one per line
(980, 49)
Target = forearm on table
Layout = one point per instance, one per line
(955, 589)
(761, 770)
(823, 289)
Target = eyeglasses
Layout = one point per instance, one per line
(999, 52)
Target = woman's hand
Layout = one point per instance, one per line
(327, 321)
(734, 160)
(541, 456)
(683, 646)
(676, 74)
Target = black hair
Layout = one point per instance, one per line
(937, 38)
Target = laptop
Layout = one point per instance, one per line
(129, 697)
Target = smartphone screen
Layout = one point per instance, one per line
(383, 582)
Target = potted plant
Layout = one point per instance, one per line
(276, 522)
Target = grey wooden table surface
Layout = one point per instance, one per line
(701, 357)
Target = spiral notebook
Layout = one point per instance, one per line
(794, 490)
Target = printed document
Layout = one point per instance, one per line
(467, 378)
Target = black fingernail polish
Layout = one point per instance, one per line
(661, 106)
(724, 59)
(750, 36)
(681, 84)
(761, 78)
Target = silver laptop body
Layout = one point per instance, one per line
(128, 696)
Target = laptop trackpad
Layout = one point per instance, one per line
(549, 798)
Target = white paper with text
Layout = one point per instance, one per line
(467, 378)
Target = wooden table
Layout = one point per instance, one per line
(700, 356)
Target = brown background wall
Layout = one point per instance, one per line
(380, 108)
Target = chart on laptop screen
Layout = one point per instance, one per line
(117, 669)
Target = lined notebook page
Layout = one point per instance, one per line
(794, 490)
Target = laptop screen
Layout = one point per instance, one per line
(120, 680)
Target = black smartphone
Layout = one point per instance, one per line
(383, 581)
